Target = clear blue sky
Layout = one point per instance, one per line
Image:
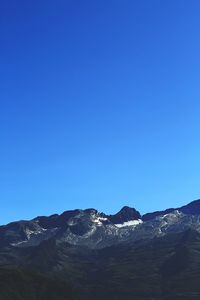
(99, 105)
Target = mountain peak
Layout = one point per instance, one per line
(191, 208)
(124, 215)
(127, 209)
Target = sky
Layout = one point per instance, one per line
(99, 105)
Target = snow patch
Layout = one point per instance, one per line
(98, 220)
(129, 223)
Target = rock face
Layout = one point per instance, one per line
(97, 230)
(94, 255)
(124, 215)
(78, 227)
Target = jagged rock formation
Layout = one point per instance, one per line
(85, 254)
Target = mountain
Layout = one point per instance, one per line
(191, 208)
(86, 254)
(126, 214)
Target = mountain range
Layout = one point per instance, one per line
(86, 255)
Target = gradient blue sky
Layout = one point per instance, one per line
(99, 105)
